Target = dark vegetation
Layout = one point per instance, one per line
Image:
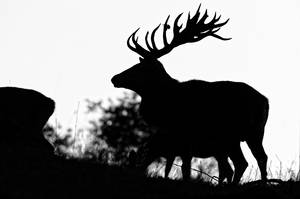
(120, 126)
(56, 177)
(28, 171)
(116, 130)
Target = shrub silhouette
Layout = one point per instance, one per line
(59, 142)
(120, 126)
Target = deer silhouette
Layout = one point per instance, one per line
(161, 145)
(199, 117)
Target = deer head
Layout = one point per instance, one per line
(150, 72)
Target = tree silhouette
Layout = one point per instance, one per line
(120, 125)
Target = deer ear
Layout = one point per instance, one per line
(141, 59)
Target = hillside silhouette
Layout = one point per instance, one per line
(31, 169)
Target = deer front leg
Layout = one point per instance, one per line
(186, 167)
(169, 164)
(225, 170)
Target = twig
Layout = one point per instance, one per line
(211, 177)
(75, 130)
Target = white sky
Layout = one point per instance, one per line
(69, 50)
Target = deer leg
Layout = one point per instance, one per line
(169, 165)
(260, 155)
(225, 170)
(186, 167)
(239, 162)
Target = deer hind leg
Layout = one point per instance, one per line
(186, 167)
(260, 155)
(239, 162)
(225, 170)
(169, 165)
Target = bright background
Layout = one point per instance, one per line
(69, 50)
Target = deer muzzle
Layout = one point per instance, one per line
(115, 81)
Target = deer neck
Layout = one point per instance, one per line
(159, 88)
(155, 99)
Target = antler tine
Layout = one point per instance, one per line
(203, 30)
(153, 38)
(217, 19)
(146, 41)
(218, 36)
(203, 18)
(176, 34)
(176, 28)
(195, 18)
(153, 47)
(130, 38)
(212, 27)
(137, 47)
(166, 27)
(195, 30)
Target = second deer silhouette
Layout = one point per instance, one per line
(217, 115)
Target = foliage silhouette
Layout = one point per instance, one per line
(120, 126)
(59, 142)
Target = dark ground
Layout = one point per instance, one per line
(29, 169)
(49, 176)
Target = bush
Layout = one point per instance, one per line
(120, 125)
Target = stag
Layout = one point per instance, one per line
(24, 113)
(220, 114)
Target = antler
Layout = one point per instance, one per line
(195, 30)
